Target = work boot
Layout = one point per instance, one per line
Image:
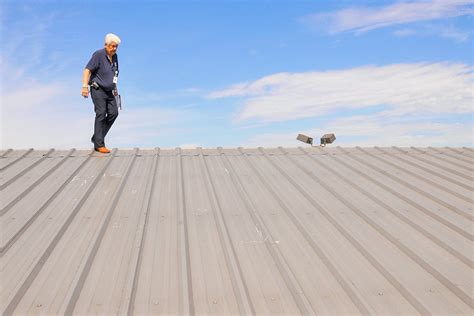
(103, 150)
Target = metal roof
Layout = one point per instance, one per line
(237, 231)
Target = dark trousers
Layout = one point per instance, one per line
(106, 112)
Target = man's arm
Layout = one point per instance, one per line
(85, 82)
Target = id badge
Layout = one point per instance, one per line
(115, 76)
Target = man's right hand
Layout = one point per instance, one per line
(85, 92)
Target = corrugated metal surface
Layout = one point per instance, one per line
(238, 231)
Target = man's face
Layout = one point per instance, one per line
(111, 48)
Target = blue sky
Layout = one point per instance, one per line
(242, 73)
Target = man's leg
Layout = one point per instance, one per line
(100, 107)
(112, 113)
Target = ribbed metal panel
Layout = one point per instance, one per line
(246, 231)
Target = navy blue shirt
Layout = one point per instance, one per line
(102, 71)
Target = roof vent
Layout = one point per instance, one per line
(325, 139)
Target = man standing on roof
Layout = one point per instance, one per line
(101, 74)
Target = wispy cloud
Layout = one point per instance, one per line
(399, 104)
(454, 34)
(405, 32)
(402, 88)
(24, 40)
(371, 130)
(147, 126)
(189, 146)
(41, 105)
(38, 116)
(444, 31)
(53, 114)
(363, 19)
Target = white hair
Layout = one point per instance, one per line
(109, 38)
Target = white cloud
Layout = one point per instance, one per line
(43, 116)
(145, 127)
(453, 33)
(405, 32)
(53, 115)
(366, 106)
(192, 90)
(31, 31)
(286, 139)
(416, 89)
(40, 100)
(189, 146)
(362, 19)
(449, 32)
(391, 131)
(374, 131)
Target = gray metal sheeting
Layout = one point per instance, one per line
(237, 231)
